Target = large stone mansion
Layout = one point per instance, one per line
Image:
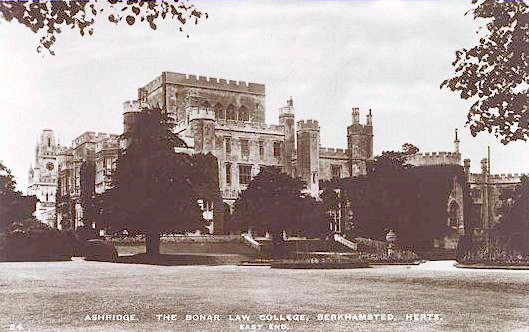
(227, 118)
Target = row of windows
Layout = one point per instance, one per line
(230, 112)
(245, 148)
(245, 173)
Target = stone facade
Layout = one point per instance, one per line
(227, 118)
(484, 189)
(101, 150)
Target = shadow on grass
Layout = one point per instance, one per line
(180, 259)
(319, 266)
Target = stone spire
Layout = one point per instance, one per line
(456, 142)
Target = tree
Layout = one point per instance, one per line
(495, 73)
(270, 204)
(49, 18)
(412, 201)
(409, 149)
(514, 219)
(153, 187)
(14, 207)
(87, 174)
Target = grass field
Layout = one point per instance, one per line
(59, 295)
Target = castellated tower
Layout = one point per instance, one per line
(202, 123)
(42, 177)
(360, 143)
(286, 119)
(131, 112)
(308, 153)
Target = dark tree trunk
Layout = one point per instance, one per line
(278, 244)
(152, 243)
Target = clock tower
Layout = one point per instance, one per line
(42, 177)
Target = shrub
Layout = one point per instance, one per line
(34, 241)
(493, 255)
(398, 256)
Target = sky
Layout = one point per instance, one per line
(388, 55)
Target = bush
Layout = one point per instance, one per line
(464, 246)
(398, 256)
(494, 256)
(100, 250)
(86, 233)
(34, 241)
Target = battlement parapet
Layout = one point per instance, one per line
(508, 176)
(108, 143)
(131, 106)
(200, 113)
(214, 83)
(497, 179)
(250, 126)
(91, 137)
(333, 153)
(434, 158)
(308, 125)
(359, 129)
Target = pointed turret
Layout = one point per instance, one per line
(369, 118)
(456, 143)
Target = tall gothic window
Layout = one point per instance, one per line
(219, 112)
(453, 215)
(243, 114)
(230, 113)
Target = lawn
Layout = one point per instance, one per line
(59, 295)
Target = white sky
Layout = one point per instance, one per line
(390, 56)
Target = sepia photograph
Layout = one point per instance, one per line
(261, 165)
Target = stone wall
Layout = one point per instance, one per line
(435, 158)
(217, 94)
(333, 158)
(268, 135)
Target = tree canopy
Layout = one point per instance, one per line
(154, 188)
(14, 207)
(50, 18)
(494, 74)
(514, 219)
(274, 202)
(412, 201)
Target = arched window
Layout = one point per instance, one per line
(231, 114)
(453, 214)
(219, 112)
(243, 114)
